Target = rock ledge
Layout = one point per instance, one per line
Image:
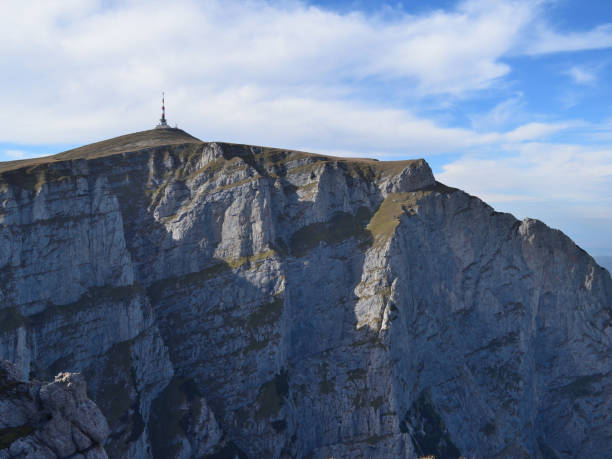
(54, 420)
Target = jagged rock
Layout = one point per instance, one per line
(233, 300)
(54, 420)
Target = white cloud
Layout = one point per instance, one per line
(545, 40)
(287, 74)
(581, 75)
(315, 125)
(258, 71)
(540, 170)
(254, 115)
(76, 68)
(533, 131)
(567, 186)
(16, 154)
(504, 113)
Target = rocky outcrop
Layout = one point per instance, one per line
(234, 300)
(54, 420)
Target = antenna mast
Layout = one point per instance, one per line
(162, 121)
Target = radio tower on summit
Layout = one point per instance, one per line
(162, 121)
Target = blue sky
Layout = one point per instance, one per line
(508, 100)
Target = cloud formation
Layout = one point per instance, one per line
(16, 154)
(81, 68)
(581, 75)
(548, 41)
(289, 74)
(564, 185)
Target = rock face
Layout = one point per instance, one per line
(55, 420)
(227, 300)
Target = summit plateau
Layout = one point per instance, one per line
(226, 300)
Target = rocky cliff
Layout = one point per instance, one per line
(48, 421)
(228, 300)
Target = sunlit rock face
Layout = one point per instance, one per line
(232, 300)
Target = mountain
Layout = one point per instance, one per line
(605, 261)
(228, 300)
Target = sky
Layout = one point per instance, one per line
(508, 100)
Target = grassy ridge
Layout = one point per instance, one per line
(121, 144)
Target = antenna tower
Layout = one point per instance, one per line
(162, 121)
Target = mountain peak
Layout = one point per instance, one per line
(128, 142)
(236, 300)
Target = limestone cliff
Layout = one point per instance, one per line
(48, 421)
(228, 300)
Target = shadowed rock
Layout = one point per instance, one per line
(54, 420)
